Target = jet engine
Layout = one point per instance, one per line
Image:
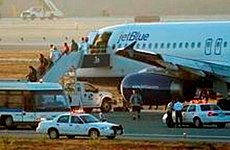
(157, 89)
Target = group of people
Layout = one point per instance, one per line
(54, 55)
(177, 106)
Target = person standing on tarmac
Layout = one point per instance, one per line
(178, 106)
(169, 110)
(136, 103)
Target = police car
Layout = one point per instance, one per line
(73, 124)
(198, 115)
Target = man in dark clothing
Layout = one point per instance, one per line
(136, 102)
(32, 75)
(74, 46)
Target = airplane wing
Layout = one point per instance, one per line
(185, 67)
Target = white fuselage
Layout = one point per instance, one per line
(202, 41)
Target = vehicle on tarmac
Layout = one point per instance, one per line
(49, 10)
(88, 96)
(78, 124)
(25, 103)
(198, 115)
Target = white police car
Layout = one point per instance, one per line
(201, 114)
(72, 124)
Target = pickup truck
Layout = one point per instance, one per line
(88, 96)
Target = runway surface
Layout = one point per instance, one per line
(149, 127)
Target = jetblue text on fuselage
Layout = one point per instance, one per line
(133, 36)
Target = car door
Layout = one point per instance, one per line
(62, 124)
(76, 126)
(189, 114)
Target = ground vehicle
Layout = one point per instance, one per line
(72, 124)
(88, 96)
(202, 114)
(25, 103)
(49, 10)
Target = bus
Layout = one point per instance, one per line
(26, 103)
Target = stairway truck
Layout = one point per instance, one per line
(48, 10)
(88, 97)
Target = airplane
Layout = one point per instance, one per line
(185, 56)
(173, 58)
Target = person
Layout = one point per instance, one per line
(136, 102)
(43, 65)
(32, 75)
(178, 106)
(169, 110)
(74, 46)
(65, 48)
(84, 46)
(102, 117)
(55, 54)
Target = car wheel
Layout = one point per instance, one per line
(94, 134)
(9, 123)
(70, 136)
(106, 106)
(221, 125)
(197, 123)
(53, 134)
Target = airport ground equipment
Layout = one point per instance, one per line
(48, 10)
(84, 94)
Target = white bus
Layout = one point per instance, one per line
(26, 103)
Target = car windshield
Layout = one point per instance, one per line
(89, 118)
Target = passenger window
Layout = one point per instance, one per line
(198, 45)
(186, 45)
(174, 45)
(143, 46)
(63, 119)
(150, 45)
(225, 44)
(119, 46)
(180, 45)
(138, 46)
(162, 45)
(192, 108)
(156, 45)
(168, 45)
(192, 45)
(75, 119)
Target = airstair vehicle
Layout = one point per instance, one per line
(85, 95)
(48, 10)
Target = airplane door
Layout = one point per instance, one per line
(92, 37)
(218, 46)
(208, 46)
